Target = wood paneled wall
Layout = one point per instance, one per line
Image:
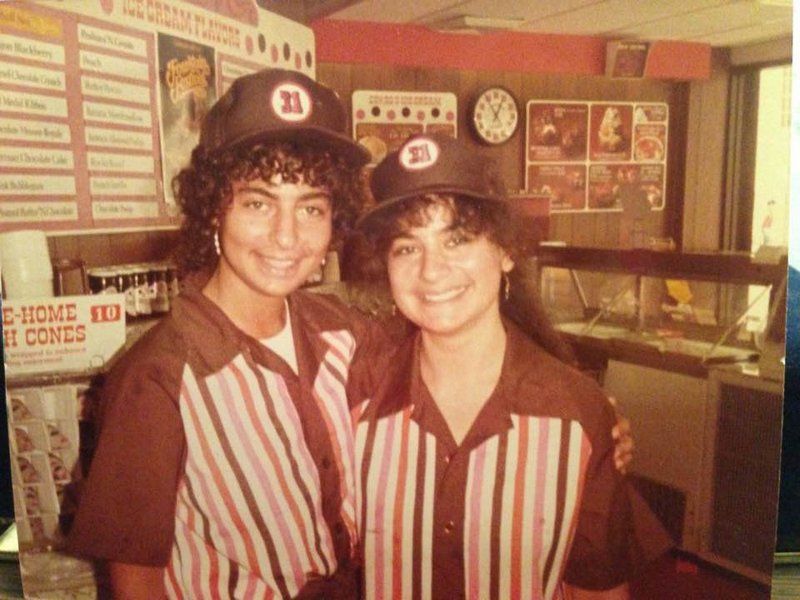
(591, 229)
(705, 155)
(102, 249)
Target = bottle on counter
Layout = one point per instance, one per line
(159, 290)
(102, 280)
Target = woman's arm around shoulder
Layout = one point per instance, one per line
(620, 592)
(136, 582)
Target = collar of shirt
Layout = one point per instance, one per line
(547, 384)
(492, 419)
(216, 340)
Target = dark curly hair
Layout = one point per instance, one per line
(472, 215)
(203, 190)
(496, 221)
(365, 254)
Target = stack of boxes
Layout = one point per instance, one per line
(44, 438)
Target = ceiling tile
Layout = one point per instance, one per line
(747, 35)
(717, 22)
(613, 15)
(703, 23)
(392, 11)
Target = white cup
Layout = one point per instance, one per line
(28, 268)
(32, 288)
(23, 243)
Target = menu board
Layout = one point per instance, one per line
(383, 120)
(597, 156)
(101, 101)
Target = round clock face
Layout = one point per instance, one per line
(495, 116)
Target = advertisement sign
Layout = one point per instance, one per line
(383, 120)
(64, 334)
(186, 78)
(597, 156)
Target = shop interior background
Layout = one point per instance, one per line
(741, 86)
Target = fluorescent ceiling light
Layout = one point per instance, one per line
(476, 24)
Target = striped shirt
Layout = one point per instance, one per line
(217, 461)
(529, 499)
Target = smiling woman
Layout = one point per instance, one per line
(485, 463)
(206, 187)
(443, 277)
(227, 424)
(272, 236)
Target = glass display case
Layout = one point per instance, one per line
(690, 347)
(684, 312)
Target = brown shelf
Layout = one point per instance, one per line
(723, 267)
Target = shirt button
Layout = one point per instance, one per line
(326, 463)
(449, 526)
(447, 459)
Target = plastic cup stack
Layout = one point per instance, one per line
(26, 267)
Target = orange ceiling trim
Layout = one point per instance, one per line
(356, 42)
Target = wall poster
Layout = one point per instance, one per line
(382, 120)
(100, 101)
(186, 81)
(597, 156)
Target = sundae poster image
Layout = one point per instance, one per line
(610, 126)
(597, 156)
(564, 185)
(186, 76)
(557, 131)
(614, 187)
(650, 133)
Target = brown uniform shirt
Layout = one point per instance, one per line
(219, 463)
(531, 497)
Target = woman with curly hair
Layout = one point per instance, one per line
(485, 461)
(223, 465)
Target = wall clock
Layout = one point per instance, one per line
(494, 115)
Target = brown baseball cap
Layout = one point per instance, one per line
(280, 105)
(431, 164)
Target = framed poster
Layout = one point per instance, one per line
(186, 83)
(383, 120)
(597, 156)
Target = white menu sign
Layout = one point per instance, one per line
(101, 101)
(64, 334)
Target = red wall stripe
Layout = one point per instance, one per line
(678, 60)
(355, 42)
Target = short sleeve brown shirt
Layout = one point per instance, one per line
(530, 499)
(218, 462)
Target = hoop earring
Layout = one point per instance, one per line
(216, 243)
(506, 287)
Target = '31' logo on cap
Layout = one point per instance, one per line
(419, 153)
(291, 102)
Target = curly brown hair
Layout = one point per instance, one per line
(473, 215)
(203, 190)
(478, 217)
